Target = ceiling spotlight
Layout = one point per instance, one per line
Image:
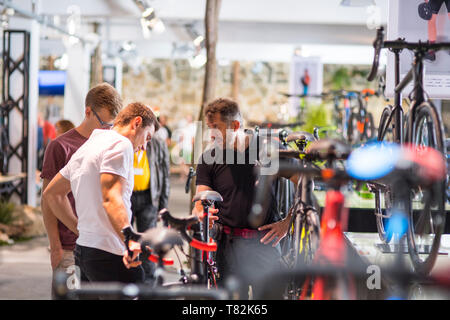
(156, 25)
(145, 28)
(198, 41)
(128, 46)
(9, 11)
(357, 3)
(147, 12)
(197, 61)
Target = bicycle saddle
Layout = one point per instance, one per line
(300, 135)
(161, 239)
(208, 195)
(325, 149)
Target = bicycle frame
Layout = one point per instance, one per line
(415, 75)
(332, 247)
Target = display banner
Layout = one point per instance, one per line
(306, 78)
(421, 20)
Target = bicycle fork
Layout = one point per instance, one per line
(332, 247)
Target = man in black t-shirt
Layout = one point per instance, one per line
(229, 169)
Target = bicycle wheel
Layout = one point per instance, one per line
(383, 194)
(302, 242)
(310, 236)
(353, 134)
(369, 127)
(427, 224)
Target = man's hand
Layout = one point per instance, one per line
(56, 255)
(277, 231)
(212, 214)
(198, 208)
(128, 261)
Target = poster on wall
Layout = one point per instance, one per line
(421, 20)
(306, 78)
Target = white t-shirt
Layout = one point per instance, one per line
(106, 151)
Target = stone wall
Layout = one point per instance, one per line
(176, 89)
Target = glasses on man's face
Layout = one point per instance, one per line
(104, 125)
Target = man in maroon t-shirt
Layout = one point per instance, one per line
(102, 104)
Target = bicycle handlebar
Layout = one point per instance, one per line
(130, 235)
(327, 174)
(400, 44)
(356, 269)
(191, 174)
(130, 291)
(182, 224)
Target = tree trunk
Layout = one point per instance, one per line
(96, 61)
(235, 81)
(209, 86)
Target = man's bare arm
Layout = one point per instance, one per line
(112, 192)
(55, 196)
(50, 221)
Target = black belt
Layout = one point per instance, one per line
(141, 193)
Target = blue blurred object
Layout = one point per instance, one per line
(350, 95)
(51, 82)
(373, 161)
(395, 298)
(397, 224)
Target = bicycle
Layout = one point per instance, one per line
(304, 236)
(330, 263)
(156, 242)
(360, 125)
(423, 127)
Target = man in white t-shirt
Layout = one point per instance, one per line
(101, 178)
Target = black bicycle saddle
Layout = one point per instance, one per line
(208, 195)
(161, 239)
(300, 135)
(326, 149)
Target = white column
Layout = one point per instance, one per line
(77, 82)
(34, 28)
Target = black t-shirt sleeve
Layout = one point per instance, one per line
(204, 175)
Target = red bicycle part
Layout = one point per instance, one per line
(203, 246)
(154, 258)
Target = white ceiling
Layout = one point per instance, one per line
(248, 29)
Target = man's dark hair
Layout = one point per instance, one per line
(104, 96)
(133, 110)
(227, 108)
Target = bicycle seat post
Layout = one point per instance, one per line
(205, 254)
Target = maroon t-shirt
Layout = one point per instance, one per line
(57, 155)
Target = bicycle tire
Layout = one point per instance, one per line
(384, 128)
(295, 246)
(311, 225)
(427, 131)
(352, 136)
(369, 127)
